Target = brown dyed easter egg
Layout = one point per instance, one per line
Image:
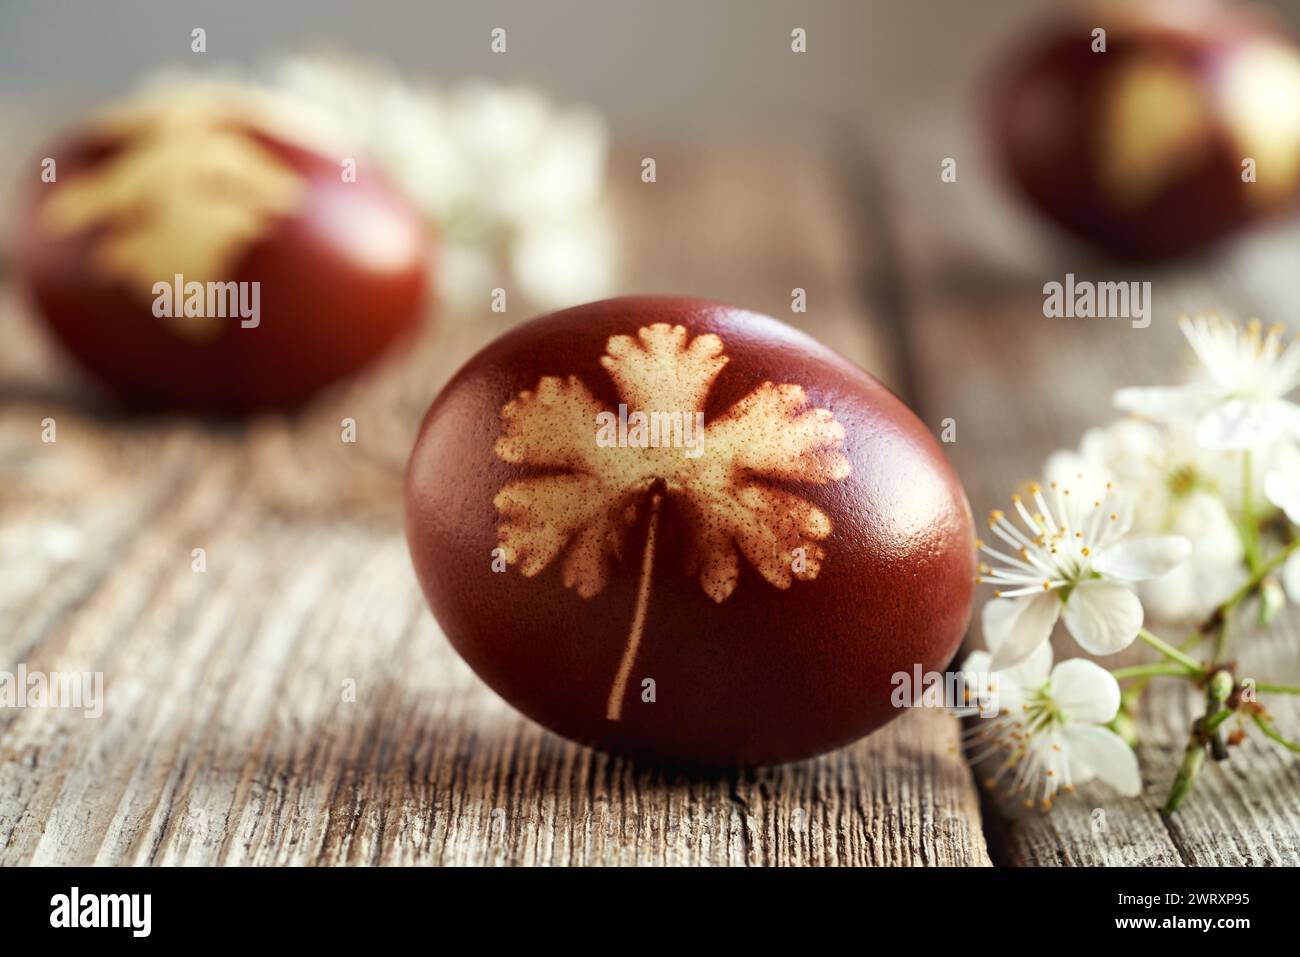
(210, 250)
(1182, 130)
(677, 530)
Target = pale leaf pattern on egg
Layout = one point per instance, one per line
(587, 497)
(187, 192)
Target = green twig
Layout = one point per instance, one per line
(1157, 670)
(1193, 758)
(1169, 651)
(1249, 526)
(1257, 576)
(1221, 638)
(1269, 688)
(1204, 736)
(1271, 732)
(1220, 615)
(1211, 724)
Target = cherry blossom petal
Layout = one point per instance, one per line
(1103, 617)
(1202, 517)
(1010, 687)
(1126, 442)
(1291, 577)
(1163, 403)
(1192, 590)
(1085, 691)
(1015, 627)
(1288, 416)
(1140, 559)
(1283, 490)
(983, 686)
(1240, 424)
(1066, 466)
(1212, 573)
(1032, 673)
(1096, 752)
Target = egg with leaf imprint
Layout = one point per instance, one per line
(214, 248)
(682, 531)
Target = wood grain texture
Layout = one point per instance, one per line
(230, 732)
(1020, 386)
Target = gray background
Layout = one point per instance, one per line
(652, 66)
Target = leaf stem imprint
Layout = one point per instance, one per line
(614, 709)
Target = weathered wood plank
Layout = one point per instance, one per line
(230, 734)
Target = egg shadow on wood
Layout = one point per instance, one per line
(403, 776)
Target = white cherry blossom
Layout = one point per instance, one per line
(1180, 489)
(1051, 727)
(1071, 559)
(1240, 402)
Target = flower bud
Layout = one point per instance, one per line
(1272, 599)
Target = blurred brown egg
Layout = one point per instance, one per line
(674, 529)
(208, 250)
(1185, 128)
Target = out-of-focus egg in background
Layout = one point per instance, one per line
(360, 204)
(207, 250)
(1183, 129)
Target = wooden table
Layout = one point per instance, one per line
(228, 736)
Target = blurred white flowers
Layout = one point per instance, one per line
(1051, 726)
(1241, 403)
(1282, 487)
(1074, 559)
(510, 183)
(506, 177)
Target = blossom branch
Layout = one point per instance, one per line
(1134, 524)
